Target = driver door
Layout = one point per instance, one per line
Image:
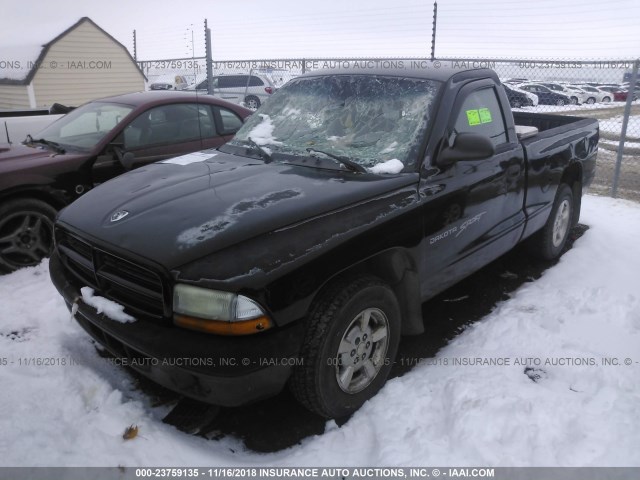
(473, 209)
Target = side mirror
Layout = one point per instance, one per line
(467, 146)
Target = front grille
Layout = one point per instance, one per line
(139, 289)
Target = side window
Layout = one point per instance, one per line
(225, 82)
(168, 124)
(231, 122)
(480, 113)
(255, 81)
(232, 81)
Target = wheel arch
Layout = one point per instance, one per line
(56, 201)
(396, 267)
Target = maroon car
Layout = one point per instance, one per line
(619, 93)
(96, 142)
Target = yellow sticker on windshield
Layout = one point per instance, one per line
(485, 115)
(473, 117)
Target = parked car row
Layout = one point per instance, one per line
(564, 93)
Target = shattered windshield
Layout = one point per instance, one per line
(374, 121)
(84, 127)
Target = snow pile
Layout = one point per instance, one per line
(390, 166)
(110, 309)
(262, 133)
(18, 60)
(547, 400)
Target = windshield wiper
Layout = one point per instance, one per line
(56, 147)
(350, 164)
(263, 152)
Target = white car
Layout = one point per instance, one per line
(248, 90)
(596, 95)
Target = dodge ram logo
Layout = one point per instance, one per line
(119, 215)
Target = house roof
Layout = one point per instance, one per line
(28, 54)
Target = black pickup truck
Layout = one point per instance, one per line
(302, 250)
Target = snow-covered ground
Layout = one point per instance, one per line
(578, 412)
(614, 125)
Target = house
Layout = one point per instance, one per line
(82, 63)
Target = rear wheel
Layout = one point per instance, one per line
(351, 341)
(26, 233)
(551, 239)
(574, 100)
(591, 100)
(252, 102)
(606, 99)
(560, 102)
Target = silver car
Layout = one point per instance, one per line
(248, 90)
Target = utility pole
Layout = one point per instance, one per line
(135, 49)
(433, 30)
(209, 59)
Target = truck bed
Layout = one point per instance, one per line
(544, 121)
(561, 141)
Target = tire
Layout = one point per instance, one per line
(26, 233)
(345, 360)
(560, 102)
(252, 102)
(591, 100)
(606, 99)
(517, 104)
(551, 239)
(574, 100)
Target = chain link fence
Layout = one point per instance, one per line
(602, 89)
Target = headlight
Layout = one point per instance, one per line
(217, 312)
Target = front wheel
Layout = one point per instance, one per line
(551, 239)
(606, 99)
(352, 337)
(26, 233)
(591, 100)
(560, 102)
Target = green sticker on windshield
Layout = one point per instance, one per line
(473, 117)
(485, 115)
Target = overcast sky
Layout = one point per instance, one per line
(259, 29)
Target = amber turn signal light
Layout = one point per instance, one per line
(244, 327)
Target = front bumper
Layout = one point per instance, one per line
(225, 371)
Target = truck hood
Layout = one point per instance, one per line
(174, 214)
